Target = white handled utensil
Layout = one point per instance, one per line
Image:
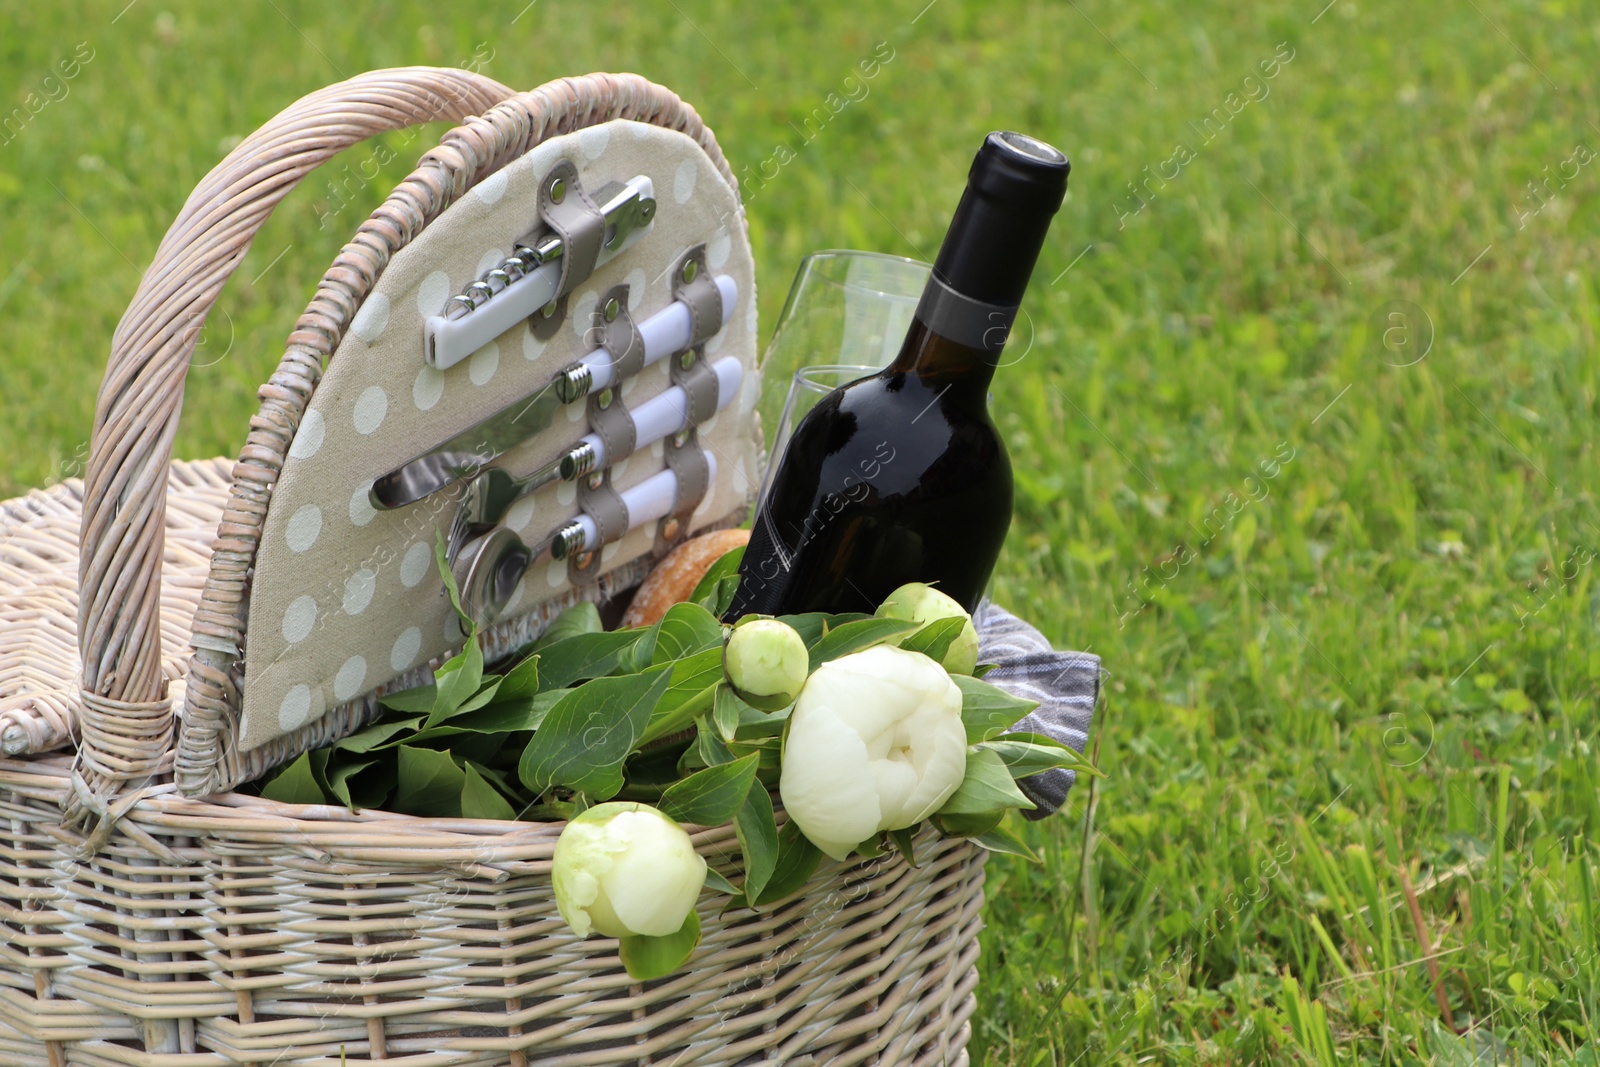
(666, 332)
(491, 567)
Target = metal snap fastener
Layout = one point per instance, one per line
(548, 310)
(670, 530)
(686, 360)
(613, 309)
(558, 191)
(604, 399)
(689, 270)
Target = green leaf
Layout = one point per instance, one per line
(441, 562)
(497, 779)
(686, 629)
(712, 749)
(726, 710)
(1025, 754)
(431, 733)
(510, 716)
(377, 735)
(649, 958)
(589, 733)
(987, 710)
(967, 825)
(420, 699)
(717, 883)
(637, 656)
(480, 800)
(855, 636)
(710, 797)
(934, 639)
(814, 625)
(719, 600)
(693, 688)
(716, 587)
(983, 668)
(582, 618)
(430, 782)
(871, 848)
(295, 784)
(904, 843)
(725, 565)
(797, 861)
(986, 787)
(520, 681)
(456, 682)
(756, 725)
(757, 828)
(584, 656)
(1005, 840)
(339, 775)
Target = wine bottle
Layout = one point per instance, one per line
(901, 476)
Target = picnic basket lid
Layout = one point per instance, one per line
(314, 603)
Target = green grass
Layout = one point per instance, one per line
(1366, 679)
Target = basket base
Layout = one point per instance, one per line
(236, 930)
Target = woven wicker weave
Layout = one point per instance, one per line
(186, 932)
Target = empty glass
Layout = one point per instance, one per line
(845, 318)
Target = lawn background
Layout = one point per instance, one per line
(1348, 608)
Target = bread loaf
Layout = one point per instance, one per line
(676, 576)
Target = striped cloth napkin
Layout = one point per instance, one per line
(1066, 685)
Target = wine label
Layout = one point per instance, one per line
(964, 320)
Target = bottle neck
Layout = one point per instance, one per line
(945, 364)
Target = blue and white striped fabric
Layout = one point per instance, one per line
(1066, 685)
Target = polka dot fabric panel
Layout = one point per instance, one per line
(346, 599)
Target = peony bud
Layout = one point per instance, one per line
(767, 662)
(625, 869)
(875, 743)
(916, 602)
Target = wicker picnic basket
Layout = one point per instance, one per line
(149, 916)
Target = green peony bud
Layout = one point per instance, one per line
(767, 663)
(916, 602)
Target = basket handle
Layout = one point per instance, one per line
(125, 714)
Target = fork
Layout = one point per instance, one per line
(489, 496)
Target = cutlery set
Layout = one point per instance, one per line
(577, 234)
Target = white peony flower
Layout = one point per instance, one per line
(875, 743)
(916, 602)
(624, 869)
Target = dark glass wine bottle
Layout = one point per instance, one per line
(901, 476)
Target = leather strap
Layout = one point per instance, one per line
(613, 424)
(545, 327)
(699, 382)
(620, 336)
(604, 505)
(688, 463)
(601, 501)
(700, 293)
(574, 218)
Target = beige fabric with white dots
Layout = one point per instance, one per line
(344, 598)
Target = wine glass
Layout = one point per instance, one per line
(846, 316)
